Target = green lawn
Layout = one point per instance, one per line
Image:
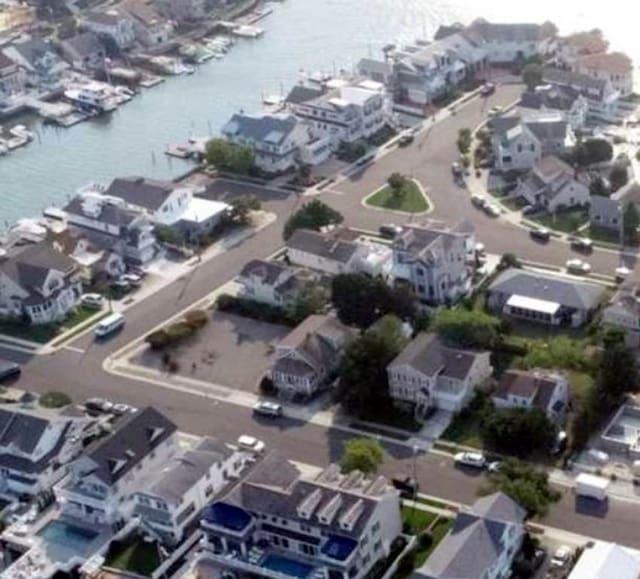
(416, 520)
(139, 557)
(440, 528)
(603, 234)
(411, 200)
(395, 418)
(465, 426)
(568, 221)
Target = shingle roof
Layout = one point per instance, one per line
(33, 49)
(508, 32)
(29, 266)
(499, 507)
(267, 271)
(109, 17)
(266, 128)
(140, 191)
(84, 44)
(611, 62)
(5, 61)
(324, 245)
(535, 385)
(302, 93)
(564, 77)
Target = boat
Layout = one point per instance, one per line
(4, 149)
(188, 69)
(20, 131)
(92, 97)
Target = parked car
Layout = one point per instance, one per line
(478, 200)
(578, 266)
(560, 443)
(540, 233)
(473, 459)
(405, 140)
(133, 279)
(581, 243)
(120, 409)
(250, 443)
(389, 230)
(408, 486)
(9, 370)
(92, 301)
(488, 88)
(528, 210)
(491, 209)
(561, 558)
(622, 273)
(270, 409)
(121, 285)
(98, 405)
(457, 170)
(495, 111)
(480, 248)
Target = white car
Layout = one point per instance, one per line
(495, 111)
(561, 557)
(491, 210)
(578, 266)
(474, 459)
(622, 272)
(93, 301)
(582, 243)
(250, 443)
(480, 248)
(133, 279)
(270, 409)
(478, 200)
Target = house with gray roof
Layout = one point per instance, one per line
(608, 212)
(623, 313)
(39, 283)
(12, 79)
(40, 61)
(430, 374)
(306, 357)
(550, 98)
(113, 23)
(84, 51)
(110, 470)
(171, 498)
(482, 544)
(544, 298)
(327, 525)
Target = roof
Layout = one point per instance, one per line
(425, 241)
(200, 210)
(33, 49)
(136, 435)
(499, 507)
(554, 97)
(611, 62)
(548, 287)
(84, 44)
(587, 42)
(328, 246)
(5, 61)
(533, 304)
(537, 386)
(266, 128)
(582, 82)
(601, 560)
(110, 213)
(509, 32)
(629, 193)
(140, 191)
(109, 17)
(427, 355)
(267, 271)
(303, 93)
(550, 167)
(143, 11)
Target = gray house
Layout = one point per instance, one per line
(544, 298)
(84, 51)
(607, 212)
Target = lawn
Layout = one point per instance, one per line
(568, 221)
(416, 520)
(138, 557)
(440, 528)
(465, 426)
(604, 235)
(410, 200)
(395, 418)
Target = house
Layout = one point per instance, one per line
(169, 204)
(275, 284)
(109, 223)
(150, 27)
(341, 110)
(307, 357)
(428, 374)
(483, 542)
(544, 298)
(623, 313)
(565, 101)
(615, 67)
(331, 253)
(547, 391)
(328, 525)
(40, 61)
(433, 260)
(110, 470)
(608, 212)
(599, 560)
(571, 47)
(171, 498)
(552, 184)
(184, 11)
(113, 23)
(520, 142)
(377, 70)
(12, 78)
(33, 450)
(38, 283)
(277, 140)
(84, 52)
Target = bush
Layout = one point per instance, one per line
(255, 310)
(196, 318)
(54, 399)
(179, 331)
(406, 565)
(266, 386)
(158, 340)
(425, 539)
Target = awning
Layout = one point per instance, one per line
(533, 304)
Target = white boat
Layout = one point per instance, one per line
(247, 31)
(21, 132)
(93, 96)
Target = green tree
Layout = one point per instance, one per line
(630, 223)
(363, 454)
(509, 260)
(241, 208)
(464, 141)
(397, 183)
(617, 372)
(227, 156)
(597, 186)
(618, 177)
(517, 431)
(166, 234)
(468, 329)
(532, 75)
(311, 300)
(589, 151)
(312, 215)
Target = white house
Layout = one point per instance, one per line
(623, 313)
(614, 67)
(428, 374)
(306, 357)
(114, 23)
(571, 47)
(151, 28)
(552, 184)
(104, 478)
(547, 391)
(327, 525)
(600, 560)
(555, 99)
(170, 499)
(38, 282)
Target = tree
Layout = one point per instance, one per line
(617, 372)
(397, 183)
(312, 299)
(525, 484)
(618, 177)
(630, 223)
(517, 431)
(363, 454)
(227, 156)
(241, 208)
(509, 260)
(304, 173)
(468, 329)
(363, 389)
(532, 75)
(591, 151)
(166, 234)
(313, 215)
(597, 186)
(464, 141)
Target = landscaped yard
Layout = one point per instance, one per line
(568, 221)
(439, 529)
(410, 199)
(603, 234)
(139, 557)
(465, 426)
(416, 520)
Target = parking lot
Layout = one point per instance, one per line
(230, 350)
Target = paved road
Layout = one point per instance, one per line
(78, 368)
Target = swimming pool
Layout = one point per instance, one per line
(61, 533)
(287, 566)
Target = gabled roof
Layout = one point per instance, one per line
(271, 129)
(5, 61)
(21, 431)
(267, 271)
(509, 32)
(582, 82)
(611, 62)
(303, 93)
(587, 42)
(140, 191)
(499, 507)
(33, 49)
(111, 17)
(607, 560)
(328, 246)
(422, 240)
(536, 385)
(84, 44)
(28, 266)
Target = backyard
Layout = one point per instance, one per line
(138, 557)
(408, 199)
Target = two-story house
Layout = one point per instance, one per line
(113, 23)
(280, 522)
(556, 99)
(169, 500)
(544, 390)
(607, 213)
(615, 67)
(40, 61)
(107, 474)
(184, 11)
(151, 28)
(428, 374)
(306, 357)
(39, 283)
(552, 184)
(84, 51)
(623, 313)
(433, 260)
(12, 78)
(483, 542)
(276, 284)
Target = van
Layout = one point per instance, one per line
(110, 324)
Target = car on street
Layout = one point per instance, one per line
(92, 301)
(480, 248)
(9, 370)
(578, 266)
(251, 443)
(561, 558)
(120, 409)
(488, 88)
(457, 170)
(622, 273)
(121, 285)
(389, 230)
(133, 279)
(472, 459)
(269, 409)
(405, 140)
(528, 210)
(478, 200)
(540, 233)
(495, 111)
(491, 209)
(581, 243)
(97, 405)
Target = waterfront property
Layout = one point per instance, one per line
(305, 359)
(427, 374)
(84, 51)
(280, 523)
(544, 298)
(622, 435)
(151, 29)
(615, 67)
(483, 542)
(12, 79)
(40, 61)
(113, 22)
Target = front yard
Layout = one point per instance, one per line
(567, 221)
(409, 200)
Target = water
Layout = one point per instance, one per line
(310, 35)
(287, 566)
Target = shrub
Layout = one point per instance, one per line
(266, 386)
(196, 318)
(406, 565)
(158, 340)
(425, 539)
(173, 366)
(54, 399)
(179, 331)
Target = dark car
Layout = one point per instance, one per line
(541, 234)
(9, 370)
(487, 89)
(389, 230)
(405, 140)
(408, 486)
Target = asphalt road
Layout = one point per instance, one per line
(77, 369)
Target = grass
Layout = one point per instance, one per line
(604, 235)
(138, 557)
(433, 503)
(439, 529)
(416, 520)
(465, 426)
(411, 199)
(568, 221)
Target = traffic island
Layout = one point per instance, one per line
(410, 198)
